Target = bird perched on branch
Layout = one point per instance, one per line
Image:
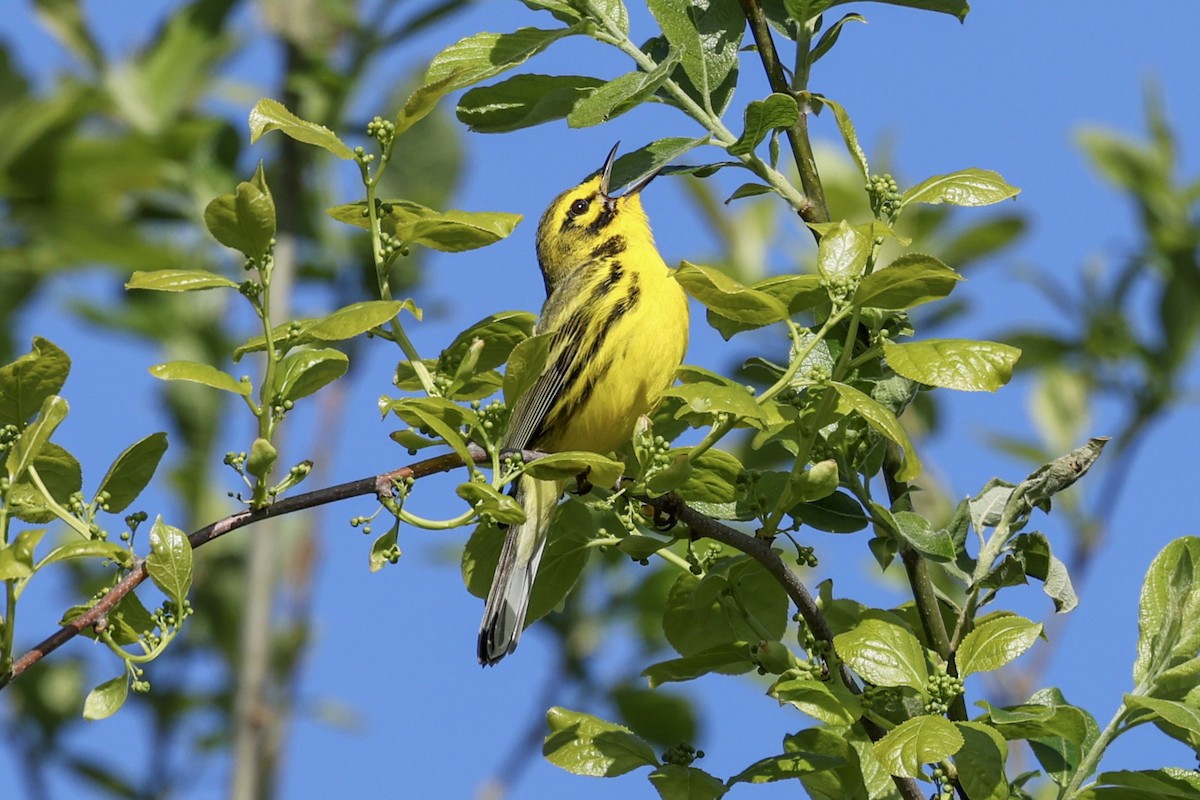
(619, 325)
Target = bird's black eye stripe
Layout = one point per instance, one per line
(578, 207)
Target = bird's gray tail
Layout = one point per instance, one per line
(508, 599)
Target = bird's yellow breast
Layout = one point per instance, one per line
(634, 364)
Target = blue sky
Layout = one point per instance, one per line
(1007, 91)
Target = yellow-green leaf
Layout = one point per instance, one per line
(962, 364)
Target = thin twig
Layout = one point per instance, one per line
(797, 134)
(376, 484)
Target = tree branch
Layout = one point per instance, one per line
(376, 484)
(762, 552)
(382, 486)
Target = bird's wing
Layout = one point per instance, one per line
(569, 325)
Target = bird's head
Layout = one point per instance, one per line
(582, 219)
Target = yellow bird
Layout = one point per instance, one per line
(620, 329)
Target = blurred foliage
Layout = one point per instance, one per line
(1128, 333)
(106, 169)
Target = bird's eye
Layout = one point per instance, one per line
(579, 207)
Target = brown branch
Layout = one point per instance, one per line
(382, 486)
(376, 485)
(762, 552)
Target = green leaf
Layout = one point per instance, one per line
(763, 116)
(107, 698)
(440, 416)
(499, 332)
(850, 781)
(1169, 609)
(129, 621)
(981, 761)
(639, 547)
(727, 658)
(170, 561)
(586, 745)
(27, 382)
(727, 297)
(837, 513)
(1033, 551)
(818, 699)
(484, 55)
(842, 254)
(1169, 783)
(244, 220)
(1058, 755)
(659, 717)
(421, 102)
(619, 95)
(458, 231)
(711, 398)
(131, 472)
(523, 101)
(829, 38)
(788, 765)
(525, 365)
(601, 470)
(910, 280)
(1039, 721)
(563, 10)
(677, 782)
(356, 319)
(639, 163)
(746, 190)
(345, 323)
(271, 115)
(447, 231)
(884, 653)
(65, 19)
(488, 501)
(694, 622)
(962, 364)
(384, 549)
(87, 548)
(706, 34)
(612, 12)
(919, 533)
(16, 560)
(261, 459)
(62, 477)
(884, 421)
(849, 135)
(916, 741)
(995, 642)
(968, 187)
(303, 372)
(713, 477)
(205, 374)
(1174, 712)
(33, 439)
(955, 8)
(178, 280)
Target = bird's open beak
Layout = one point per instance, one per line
(606, 176)
(637, 187)
(606, 172)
